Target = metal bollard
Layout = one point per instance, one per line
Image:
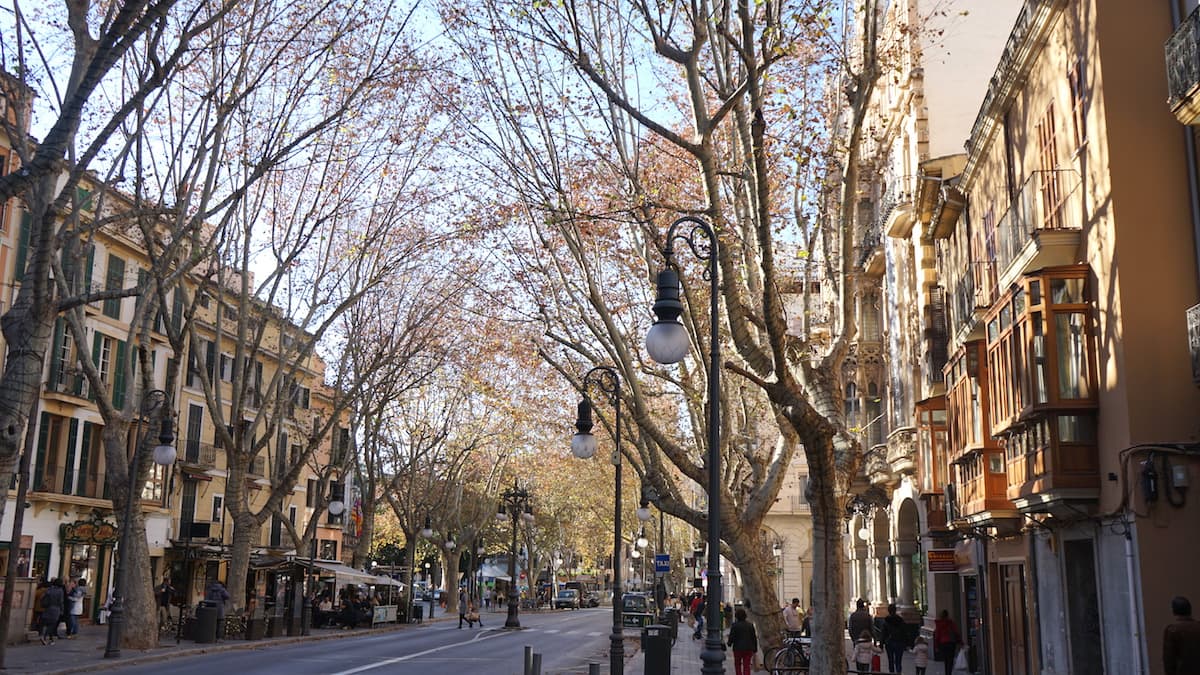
(593, 669)
(537, 664)
(528, 660)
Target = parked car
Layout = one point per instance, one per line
(637, 603)
(567, 598)
(592, 599)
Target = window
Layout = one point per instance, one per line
(310, 494)
(1077, 85)
(114, 280)
(103, 356)
(300, 396)
(226, 368)
(328, 549)
(218, 508)
(292, 514)
(195, 420)
(24, 230)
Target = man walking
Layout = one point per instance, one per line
(217, 595)
(859, 620)
(462, 609)
(698, 606)
(163, 595)
(1181, 640)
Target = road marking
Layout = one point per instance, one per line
(595, 633)
(551, 630)
(479, 637)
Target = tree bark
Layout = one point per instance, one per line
(141, 618)
(450, 562)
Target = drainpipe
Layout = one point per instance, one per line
(1189, 146)
(1135, 598)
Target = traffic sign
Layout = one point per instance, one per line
(662, 562)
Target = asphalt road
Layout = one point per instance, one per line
(567, 640)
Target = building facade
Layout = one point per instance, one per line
(1056, 261)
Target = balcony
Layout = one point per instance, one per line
(973, 292)
(876, 467)
(199, 454)
(902, 451)
(871, 250)
(982, 498)
(59, 480)
(1041, 228)
(1183, 70)
(1053, 466)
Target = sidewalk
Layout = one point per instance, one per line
(685, 658)
(85, 653)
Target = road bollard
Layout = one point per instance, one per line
(537, 664)
(528, 660)
(593, 669)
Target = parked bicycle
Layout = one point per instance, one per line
(795, 653)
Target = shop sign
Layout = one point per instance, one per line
(94, 531)
(940, 560)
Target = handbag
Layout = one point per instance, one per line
(472, 616)
(960, 661)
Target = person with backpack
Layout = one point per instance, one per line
(53, 601)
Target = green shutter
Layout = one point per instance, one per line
(23, 232)
(40, 457)
(68, 485)
(114, 281)
(56, 356)
(118, 395)
(96, 338)
(90, 270)
(84, 452)
(177, 309)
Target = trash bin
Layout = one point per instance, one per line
(205, 629)
(656, 643)
(418, 613)
(671, 618)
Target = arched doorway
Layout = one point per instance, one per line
(910, 568)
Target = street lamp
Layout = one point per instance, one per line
(667, 342)
(427, 531)
(163, 455)
(650, 496)
(519, 508)
(583, 445)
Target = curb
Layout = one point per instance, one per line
(169, 654)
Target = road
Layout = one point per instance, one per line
(567, 640)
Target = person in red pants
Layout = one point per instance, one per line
(744, 642)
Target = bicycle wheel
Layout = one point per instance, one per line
(786, 657)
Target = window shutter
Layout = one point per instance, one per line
(84, 452)
(96, 340)
(114, 281)
(23, 232)
(118, 394)
(56, 356)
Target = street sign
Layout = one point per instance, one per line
(662, 562)
(941, 560)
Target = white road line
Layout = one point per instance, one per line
(551, 631)
(479, 637)
(595, 633)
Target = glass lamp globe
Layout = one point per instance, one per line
(641, 541)
(643, 513)
(635, 554)
(450, 545)
(164, 455)
(864, 534)
(336, 507)
(667, 341)
(583, 446)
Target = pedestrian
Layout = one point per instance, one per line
(920, 652)
(462, 609)
(744, 642)
(865, 650)
(163, 595)
(791, 617)
(75, 600)
(859, 620)
(53, 601)
(37, 603)
(698, 612)
(946, 640)
(218, 596)
(727, 616)
(806, 625)
(895, 638)
(1181, 640)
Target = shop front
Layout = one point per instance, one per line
(87, 547)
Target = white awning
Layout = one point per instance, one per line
(380, 580)
(345, 573)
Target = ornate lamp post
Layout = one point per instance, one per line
(517, 501)
(650, 496)
(164, 455)
(668, 342)
(583, 445)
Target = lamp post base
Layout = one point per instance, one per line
(616, 654)
(513, 620)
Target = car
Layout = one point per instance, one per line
(638, 603)
(592, 599)
(567, 598)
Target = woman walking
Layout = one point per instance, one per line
(744, 642)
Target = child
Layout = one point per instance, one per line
(921, 655)
(865, 650)
(744, 642)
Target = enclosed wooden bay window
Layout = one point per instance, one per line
(978, 468)
(1041, 382)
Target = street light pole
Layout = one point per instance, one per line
(163, 455)
(667, 342)
(583, 445)
(517, 500)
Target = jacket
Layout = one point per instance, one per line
(217, 595)
(858, 622)
(864, 651)
(945, 632)
(742, 637)
(52, 604)
(1181, 647)
(894, 631)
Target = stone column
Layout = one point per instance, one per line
(904, 573)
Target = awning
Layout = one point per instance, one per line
(343, 572)
(380, 580)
